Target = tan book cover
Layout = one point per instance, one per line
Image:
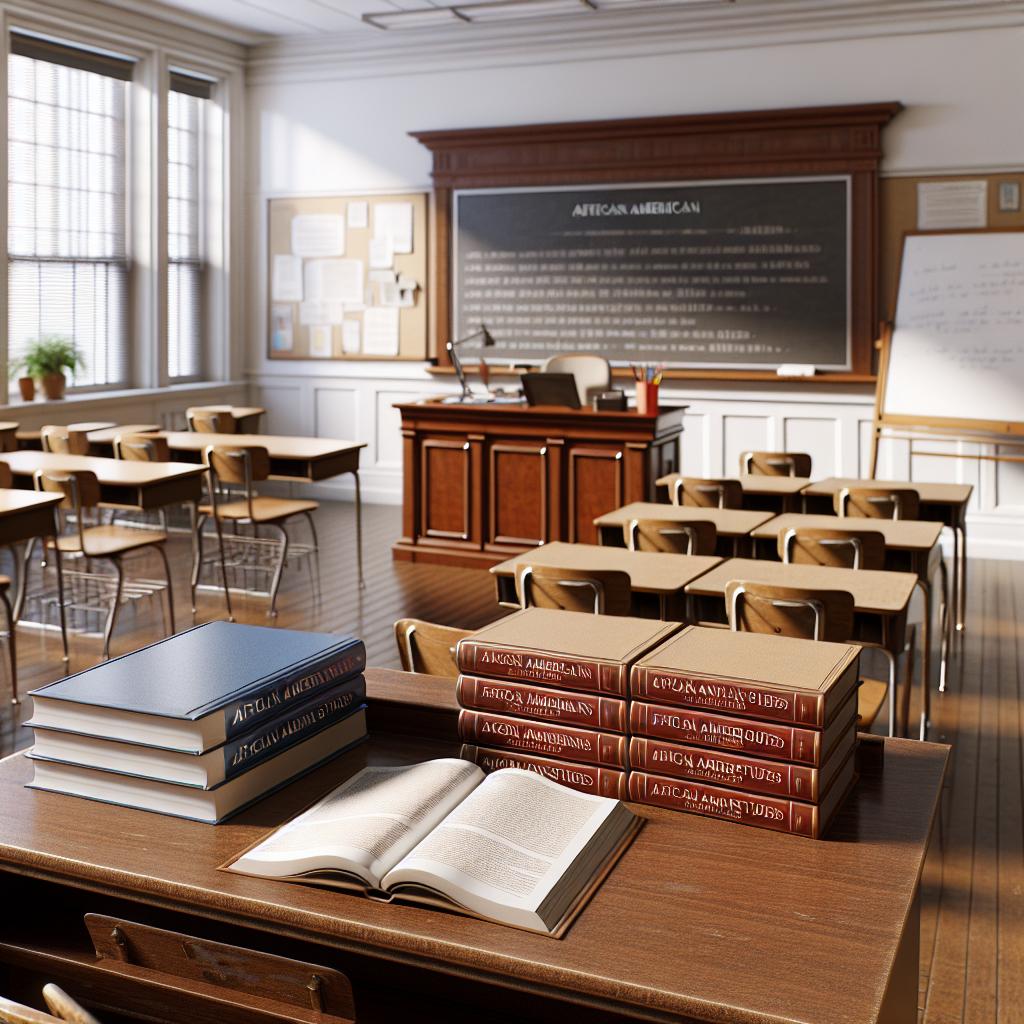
(570, 650)
(754, 675)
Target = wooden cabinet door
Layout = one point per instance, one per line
(596, 484)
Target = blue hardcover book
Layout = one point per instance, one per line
(200, 688)
(205, 771)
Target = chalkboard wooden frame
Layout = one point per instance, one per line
(808, 141)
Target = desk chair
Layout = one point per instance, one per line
(62, 441)
(602, 591)
(65, 1010)
(697, 537)
(204, 421)
(877, 503)
(243, 467)
(707, 492)
(81, 491)
(844, 549)
(144, 448)
(593, 374)
(427, 647)
(775, 463)
(809, 615)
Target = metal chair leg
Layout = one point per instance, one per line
(223, 566)
(26, 565)
(170, 588)
(197, 552)
(314, 565)
(891, 659)
(58, 562)
(359, 528)
(279, 569)
(114, 607)
(944, 623)
(11, 650)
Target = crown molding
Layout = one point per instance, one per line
(604, 35)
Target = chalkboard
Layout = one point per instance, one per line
(956, 356)
(737, 274)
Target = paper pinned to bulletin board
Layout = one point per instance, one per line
(347, 277)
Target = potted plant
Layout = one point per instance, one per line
(26, 384)
(46, 360)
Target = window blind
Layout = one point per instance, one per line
(67, 252)
(185, 270)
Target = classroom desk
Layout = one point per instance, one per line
(911, 545)
(700, 920)
(655, 573)
(733, 525)
(33, 439)
(247, 417)
(27, 516)
(880, 602)
(760, 492)
(946, 503)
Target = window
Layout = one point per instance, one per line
(67, 252)
(186, 114)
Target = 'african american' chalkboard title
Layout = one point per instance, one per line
(729, 274)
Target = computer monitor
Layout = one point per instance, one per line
(551, 389)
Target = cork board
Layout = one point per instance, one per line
(319, 249)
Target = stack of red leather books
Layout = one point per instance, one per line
(546, 690)
(748, 727)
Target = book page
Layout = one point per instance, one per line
(506, 845)
(367, 824)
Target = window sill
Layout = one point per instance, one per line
(82, 400)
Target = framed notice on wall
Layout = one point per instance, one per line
(347, 277)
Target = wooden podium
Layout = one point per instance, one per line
(484, 481)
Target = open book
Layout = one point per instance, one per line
(511, 847)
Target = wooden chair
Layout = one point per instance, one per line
(696, 537)
(243, 467)
(844, 549)
(8, 436)
(112, 542)
(142, 448)
(603, 591)
(64, 1010)
(809, 615)
(62, 441)
(775, 463)
(206, 421)
(427, 647)
(707, 492)
(877, 502)
(6, 477)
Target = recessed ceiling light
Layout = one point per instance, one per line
(507, 10)
(415, 18)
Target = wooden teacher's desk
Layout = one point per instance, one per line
(656, 573)
(483, 481)
(701, 920)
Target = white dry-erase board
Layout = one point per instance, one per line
(956, 356)
(347, 277)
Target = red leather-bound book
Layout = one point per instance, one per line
(558, 741)
(521, 699)
(586, 778)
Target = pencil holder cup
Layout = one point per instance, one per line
(646, 398)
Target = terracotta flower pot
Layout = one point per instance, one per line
(53, 385)
(27, 387)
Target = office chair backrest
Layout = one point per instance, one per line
(707, 492)
(789, 611)
(694, 537)
(428, 647)
(877, 502)
(142, 448)
(62, 441)
(603, 591)
(593, 373)
(844, 549)
(776, 463)
(6, 476)
(203, 421)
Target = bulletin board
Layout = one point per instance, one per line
(346, 277)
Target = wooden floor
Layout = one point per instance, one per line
(972, 941)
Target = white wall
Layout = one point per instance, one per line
(319, 124)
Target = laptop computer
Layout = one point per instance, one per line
(551, 389)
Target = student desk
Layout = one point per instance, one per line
(26, 516)
(733, 524)
(700, 920)
(880, 602)
(650, 572)
(33, 439)
(910, 546)
(946, 503)
(760, 492)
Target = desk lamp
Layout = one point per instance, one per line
(452, 346)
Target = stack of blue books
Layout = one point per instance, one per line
(203, 723)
